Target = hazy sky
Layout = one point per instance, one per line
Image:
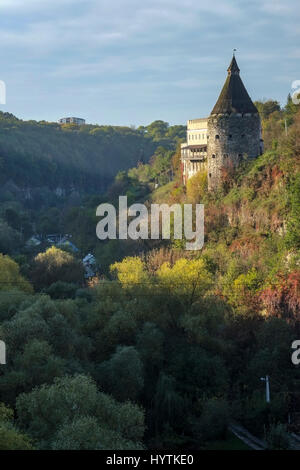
(133, 61)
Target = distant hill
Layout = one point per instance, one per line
(69, 157)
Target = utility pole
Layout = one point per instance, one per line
(266, 379)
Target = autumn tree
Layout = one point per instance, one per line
(10, 277)
(56, 265)
(187, 279)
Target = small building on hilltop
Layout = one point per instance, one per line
(230, 134)
(72, 120)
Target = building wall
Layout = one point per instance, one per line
(197, 131)
(223, 141)
(231, 138)
(72, 120)
(192, 161)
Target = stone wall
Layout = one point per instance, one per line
(231, 138)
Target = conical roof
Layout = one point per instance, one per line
(234, 97)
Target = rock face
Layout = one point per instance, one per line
(233, 130)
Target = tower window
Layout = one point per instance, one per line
(213, 156)
(209, 175)
(217, 137)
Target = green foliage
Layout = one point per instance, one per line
(214, 419)
(184, 336)
(266, 108)
(75, 403)
(122, 374)
(10, 437)
(62, 290)
(293, 228)
(35, 154)
(85, 433)
(150, 342)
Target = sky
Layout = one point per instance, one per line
(130, 62)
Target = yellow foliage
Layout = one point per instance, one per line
(55, 257)
(10, 277)
(186, 277)
(130, 271)
(196, 187)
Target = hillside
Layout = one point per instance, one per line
(85, 158)
(163, 348)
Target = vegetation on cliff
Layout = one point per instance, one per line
(165, 346)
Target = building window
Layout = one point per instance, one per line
(213, 156)
(230, 136)
(217, 137)
(209, 175)
(240, 155)
(225, 155)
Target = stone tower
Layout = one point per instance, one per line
(233, 130)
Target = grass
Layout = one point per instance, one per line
(231, 443)
(162, 194)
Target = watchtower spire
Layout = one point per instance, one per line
(234, 97)
(233, 67)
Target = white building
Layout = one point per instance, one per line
(72, 120)
(194, 151)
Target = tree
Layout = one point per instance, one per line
(244, 291)
(169, 405)
(10, 277)
(74, 403)
(290, 109)
(150, 342)
(122, 375)
(293, 228)
(214, 419)
(10, 239)
(10, 437)
(62, 290)
(85, 433)
(266, 108)
(158, 129)
(187, 279)
(56, 265)
(281, 297)
(161, 164)
(130, 272)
